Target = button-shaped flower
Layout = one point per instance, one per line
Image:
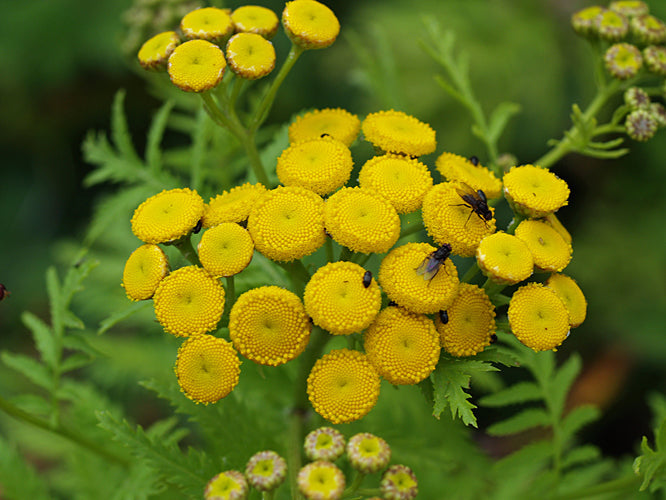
(233, 205)
(144, 269)
(266, 470)
(155, 52)
(208, 23)
(310, 24)
(196, 66)
(250, 55)
(549, 250)
(572, 296)
(225, 249)
(397, 132)
(324, 443)
(321, 480)
(336, 122)
(368, 453)
(455, 168)
(228, 485)
(505, 259)
(399, 483)
(534, 191)
(255, 19)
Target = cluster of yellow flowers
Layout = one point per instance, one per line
(413, 308)
(321, 478)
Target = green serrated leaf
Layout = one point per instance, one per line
(500, 117)
(43, 336)
(123, 314)
(563, 379)
(521, 392)
(36, 372)
(578, 418)
(531, 457)
(119, 129)
(522, 421)
(33, 403)
(19, 480)
(75, 361)
(612, 144)
(605, 155)
(79, 342)
(55, 300)
(71, 320)
(155, 135)
(579, 455)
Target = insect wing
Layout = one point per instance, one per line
(428, 268)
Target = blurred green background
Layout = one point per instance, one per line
(62, 62)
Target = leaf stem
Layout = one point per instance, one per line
(184, 246)
(615, 486)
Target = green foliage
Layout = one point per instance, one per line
(650, 465)
(18, 478)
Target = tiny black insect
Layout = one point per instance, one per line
(474, 161)
(367, 279)
(392, 303)
(432, 263)
(4, 293)
(444, 317)
(476, 200)
(325, 135)
(198, 227)
(493, 338)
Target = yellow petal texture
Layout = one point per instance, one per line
(397, 132)
(196, 66)
(402, 346)
(505, 259)
(402, 283)
(250, 55)
(287, 223)
(233, 205)
(337, 301)
(269, 325)
(471, 322)
(343, 386)
(572, 296)
(167, 216)
(207, 368)
(155, 52)
(227, 485)
(549, 250)
(144, 269)
(336, 122)
(310, 24)
(208, 23)
(321, 480)
(534, 191)
(255, 19)
(459, 169)
(226, 249)
(189, 301)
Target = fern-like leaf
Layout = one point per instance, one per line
(19, 480)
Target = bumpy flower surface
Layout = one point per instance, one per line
(189, 301)
(287, 223)
(337, 300)
(636, 98)
(396, 132)
(225, 249)
(548, 248)
(641, 125)
(572, 296)
(403, 283)
(555, 223)
(534, 191)
(167, 216)
(449, 219)
(322, 164)
(310, 24)
(228, 485)
(250, 55)
(629, 8)
(336, 122)
(155, 52)
(658, 112)
(505, 259)
(583, 21)
(538, 317)
(209, 23)
(144, 269)
(471, 322)
(233, 205)
(648, 29)
(623, 60)
(269, 325)
(196, 66)
(321, 480)
(255, 19)
(611, 26)
(402, 181)
(368, 453)
(459, 169)
(266, 470)
(324, 443)
(361, 220)
(655, 59)
(343, 386)
(402, 346)
(207, 368)
(399, 483)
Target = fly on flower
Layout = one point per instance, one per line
(432, 263)
(476, 200)
(367, 279)
(444, 317)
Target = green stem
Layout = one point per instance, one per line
(230, 295)
(414, 228)
(329, 249)
(268, 495)
(517, 219)
(184, 246)
(492, 288)
(23, 416)
(356, 484)
(471, 272)
(345, 254)
(297, 273)
(615, 486)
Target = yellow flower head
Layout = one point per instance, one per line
(207, 368)
(629, 8)
(399, 482)
(167, 216)
(266, 470)
(471, 322)
(402, 181)
(549, 250)
(611, 26)
(226, 249)
(456, 168)
(368, 453)
(338, 123)
(554, 222)
(403, 276)
(269, 326)
(623, 60)
(396, 132)
(361, 220)
(255, 19)
(343, 386)
(572, 296)
(324, 443)
(504, 258)
(287, 223)
(189, 301)
(538, 317)
(402, 346)
(250, 55)
(209, 23)
(144, 270)
(322, 164)
(228, 485)
(310, 24)
(448, 219)
(196, 66)
(233, 205)
(338, 301)
(155, 52)
(534, 191)
(321, 480)
(648, 29)
(584, 21)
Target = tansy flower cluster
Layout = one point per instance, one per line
(320, 478)
(633, 42)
